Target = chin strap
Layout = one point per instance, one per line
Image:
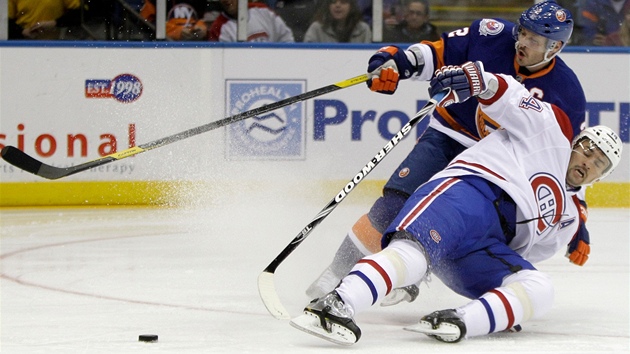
(546, 57)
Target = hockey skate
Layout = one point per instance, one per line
(398, 295)
(446, 326)
(328, 318)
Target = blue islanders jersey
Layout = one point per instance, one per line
(491, 42)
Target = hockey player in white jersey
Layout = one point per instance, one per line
(482, 222)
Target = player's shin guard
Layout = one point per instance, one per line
(362, 240)
(346, 257)
(400, 264)
(523, 295)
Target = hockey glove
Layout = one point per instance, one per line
(461, 82)
(579, 248)
(386, 67)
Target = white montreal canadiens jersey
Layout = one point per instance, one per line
(527, 158)
(263, 25)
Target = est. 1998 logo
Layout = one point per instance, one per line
(124, 88)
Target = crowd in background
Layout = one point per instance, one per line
(597, 22)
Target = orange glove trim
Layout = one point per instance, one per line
(389, 49)
(580, 255)
(386, 81)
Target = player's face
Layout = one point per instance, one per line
(531, 48)
(587, 163)
(339, 9)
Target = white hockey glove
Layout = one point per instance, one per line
(461, 82)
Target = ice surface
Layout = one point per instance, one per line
(91, 280)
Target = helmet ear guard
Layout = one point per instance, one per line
(607, 141)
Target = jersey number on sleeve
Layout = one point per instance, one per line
(530, 102)
(459, 33)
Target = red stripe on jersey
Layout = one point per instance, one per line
(425, 202)
(253, 37)
(476, 165)
(564, 122)
(508, 308)
(381, 271)
(503, 86)
(215, 29)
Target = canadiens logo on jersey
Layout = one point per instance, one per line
(550, 196)
(490, 27)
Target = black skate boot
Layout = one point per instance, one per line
(328, 318)
(446, 326)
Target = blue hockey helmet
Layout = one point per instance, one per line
(547, 19)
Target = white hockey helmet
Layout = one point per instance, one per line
(607, 141)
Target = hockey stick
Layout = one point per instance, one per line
(20, 159)
(266, 286)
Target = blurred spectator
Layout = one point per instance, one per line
(297, 14)
(338, 21)
(123, 21)
(42, 19)
(185, 20)
(392, 11)
(601, 21)
(621, 37)
(263, 25)
(415, 27)
(573, 6)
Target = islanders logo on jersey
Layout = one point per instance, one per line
(490, 27)
(124, 88)
(485, 124)
(279, 134)
(550, 196)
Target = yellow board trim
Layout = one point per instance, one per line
(12, 194)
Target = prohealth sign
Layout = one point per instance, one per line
(279, 134)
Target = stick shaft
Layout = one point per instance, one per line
(27, 163)
(266, 287)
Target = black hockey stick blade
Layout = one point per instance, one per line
(266, 285)
(20, 159)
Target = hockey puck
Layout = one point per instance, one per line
(148, 338)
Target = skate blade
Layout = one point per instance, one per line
(310, 324)
(447, 332)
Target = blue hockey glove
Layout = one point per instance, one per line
(579, 248)
(461, 82)
(386, 67)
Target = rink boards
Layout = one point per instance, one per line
(68, 105)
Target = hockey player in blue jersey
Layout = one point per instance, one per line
(526, 51)
(481, 223)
